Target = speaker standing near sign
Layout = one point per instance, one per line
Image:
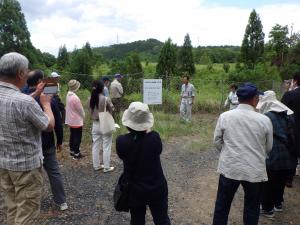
(187, 99)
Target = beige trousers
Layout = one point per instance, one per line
(23, 191)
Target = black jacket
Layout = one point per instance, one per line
(148, 183)
(292, 100)
(48, 140)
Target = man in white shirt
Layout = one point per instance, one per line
(232, 99)
(187, 99)
(243, 138)
(116, 93)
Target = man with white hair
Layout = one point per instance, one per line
(21, 123)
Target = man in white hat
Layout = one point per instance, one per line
(61, 105)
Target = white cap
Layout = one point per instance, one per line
(54, 74)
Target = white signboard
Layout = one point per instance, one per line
(152, 90)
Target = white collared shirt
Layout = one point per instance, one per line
(187, 90)
(232, 100)
(243, 138)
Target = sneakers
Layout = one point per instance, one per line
(72, 153)
(278, 208)
(63, 206)
(78, 156)
(99, 168)
(269, 214)
(109, 169)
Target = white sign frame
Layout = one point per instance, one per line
(152, 91)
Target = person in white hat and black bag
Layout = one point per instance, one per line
(140, 151)
(282, 160)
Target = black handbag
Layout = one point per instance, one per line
(121, 194)
(122, 189)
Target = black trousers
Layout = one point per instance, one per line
(226, 191)
(159, 212)
(273, 189)
(75, 139)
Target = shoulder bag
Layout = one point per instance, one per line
(106, 121)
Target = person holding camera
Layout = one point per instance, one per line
(49, 146)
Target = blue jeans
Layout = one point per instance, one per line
(55, 178)
(159, 211)
(226, 190)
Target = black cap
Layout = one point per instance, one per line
(105, 78)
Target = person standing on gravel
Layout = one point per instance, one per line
(282, 159)
(74, 119)
(21, 123)
(187, 99)
(140, 151)
(100, 103)
(49, 146)
(243, 137)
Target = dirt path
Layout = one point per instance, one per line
(192, 189)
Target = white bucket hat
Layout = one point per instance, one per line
(268, 102)
(138, 117)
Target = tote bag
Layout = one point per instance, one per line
(107, 122)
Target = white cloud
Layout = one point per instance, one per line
(73, 22)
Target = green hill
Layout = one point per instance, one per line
(147, 50)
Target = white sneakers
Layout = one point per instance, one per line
(109, 169)
(63, 206)
(99, 168)
(105, 170)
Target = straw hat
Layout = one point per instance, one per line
(138, 117)
(268, 102)
(74, 85)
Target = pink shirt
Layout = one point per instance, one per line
(74, 110)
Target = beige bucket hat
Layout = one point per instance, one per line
(74, 85)
(268, 102)
(138, 117)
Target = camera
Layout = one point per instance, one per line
(51, 86)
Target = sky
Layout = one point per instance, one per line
(53, 23)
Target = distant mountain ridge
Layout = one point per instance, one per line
(149, 50)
